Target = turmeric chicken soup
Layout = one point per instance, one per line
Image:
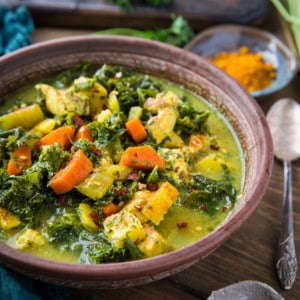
(112, 166)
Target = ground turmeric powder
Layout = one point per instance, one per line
(247, 68)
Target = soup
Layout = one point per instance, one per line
(113, 166)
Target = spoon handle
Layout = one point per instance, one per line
(287, 261)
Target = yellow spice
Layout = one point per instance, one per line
(248, 68)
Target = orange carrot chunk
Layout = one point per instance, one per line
(142, 158)
(136, 130)
(62, 135)
(83, 133)
(76, 170)
(19, 161)
(110, 209)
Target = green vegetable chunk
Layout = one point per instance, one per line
(25, 117)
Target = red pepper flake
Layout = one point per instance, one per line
(95, 217)
(97, 152)
(61, 201)
(182, 225)
(203, 206)
(214, 147)
(77, 120)
(176, 169)
(152, 187)
(116, 191)
(133, 176)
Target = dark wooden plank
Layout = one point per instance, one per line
(102, 14)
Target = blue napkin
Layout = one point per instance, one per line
(15, 29)
(15, 286)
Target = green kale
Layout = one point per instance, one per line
(96, 248)
(104, 133)
(96, 253)
(210, 195)
(3, 154)
(63, 228)
(88, 148)
(190, 119)
(52, 159)
(132, 88)
(178, 34)
(24, 194)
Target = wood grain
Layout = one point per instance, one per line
(101, 14)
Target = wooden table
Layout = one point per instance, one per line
(250, 254)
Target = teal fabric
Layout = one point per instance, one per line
(15, 28)
(14, 286)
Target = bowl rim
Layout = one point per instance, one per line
(171, 260)
(292, 60)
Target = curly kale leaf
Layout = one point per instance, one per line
(210, 195)
(52, 159)
(104, 133)
(132, 88)
(24, 194)
(63, 228)
(96, 248)
(190, 119)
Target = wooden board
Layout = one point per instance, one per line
(95, 14)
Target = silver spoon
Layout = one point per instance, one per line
(284, 123)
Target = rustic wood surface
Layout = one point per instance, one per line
(102, 13)
(250, 254)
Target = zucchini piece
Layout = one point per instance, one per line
(97, 184)
(135, 112)
(26, 117)
(212, 166)
(103, 116)
(85, 215)
(8, 220)
(113, 102)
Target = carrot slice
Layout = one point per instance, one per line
(110, 209)
(142, 157)
(83, 133)
(19, 161)
(136, 130)
(62, 135)
(76, 170)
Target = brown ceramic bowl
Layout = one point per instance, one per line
(183, 68)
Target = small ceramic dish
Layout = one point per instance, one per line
(229, 38)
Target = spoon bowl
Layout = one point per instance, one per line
(284, 122)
